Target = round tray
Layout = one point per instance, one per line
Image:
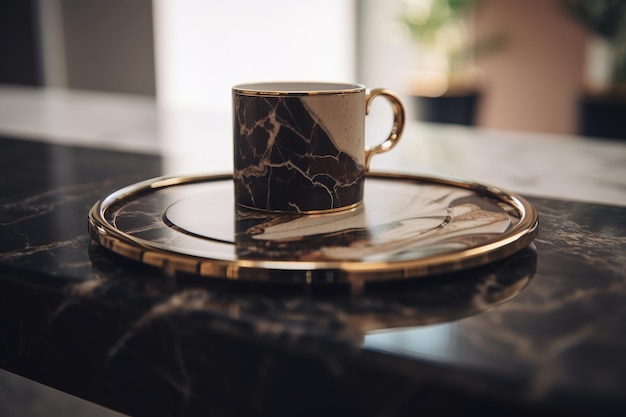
(408, 227)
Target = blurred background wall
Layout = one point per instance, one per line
(187, 53)
(101, 45)
(109, 45)
(535, 81)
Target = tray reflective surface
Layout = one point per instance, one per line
(407, 227)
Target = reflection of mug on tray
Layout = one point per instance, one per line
(399, 220)
(300, 146)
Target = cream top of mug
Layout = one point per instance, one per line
(297, 88)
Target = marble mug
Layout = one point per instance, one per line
(300, 146)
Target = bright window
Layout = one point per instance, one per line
(203, 47)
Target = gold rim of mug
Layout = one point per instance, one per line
(307, 212)
(288, 88)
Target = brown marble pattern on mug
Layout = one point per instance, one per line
(286, 160)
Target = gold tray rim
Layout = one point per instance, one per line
(354, 272)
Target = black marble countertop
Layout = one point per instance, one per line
(542, 332)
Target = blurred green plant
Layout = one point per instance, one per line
(606, 19)
(440, 27)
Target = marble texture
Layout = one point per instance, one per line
(539, 333)
(289, 158)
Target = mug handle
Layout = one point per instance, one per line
(398, 123)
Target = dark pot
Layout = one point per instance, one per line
(602, 116)
(456, 109)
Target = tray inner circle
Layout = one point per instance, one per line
(391, 224)
(197, 215)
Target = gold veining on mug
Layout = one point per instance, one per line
(300, 146)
